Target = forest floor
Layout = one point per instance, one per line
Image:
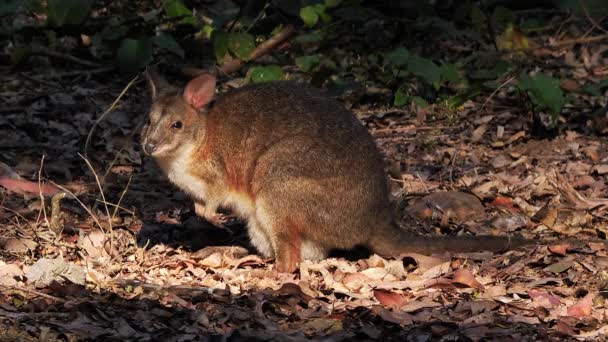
(121, 256)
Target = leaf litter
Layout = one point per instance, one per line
(148, 270)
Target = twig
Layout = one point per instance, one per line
(81, 72)
(584, 40)
(103, 196)
(122, 194)
(103, 115)
(38, 293)
(117, 206)
(82, 204)
(46, 83)
(260, 51)
(591, 20)
(117, 154)
(504, 84)
(42, 205)
(69, 58)
(236, 64)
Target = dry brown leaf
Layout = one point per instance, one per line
(544, 299)
(559, 249)
(583, 307)
(391, 299)
(465, 277)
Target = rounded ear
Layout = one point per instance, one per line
(156, 84)
(200, 91)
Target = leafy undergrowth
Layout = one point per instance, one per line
(118, 254)
(151, 273)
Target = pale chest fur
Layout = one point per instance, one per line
(179, 173)
(214, 194)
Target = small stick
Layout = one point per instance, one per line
(82, 204)
(42, 205)
(69, 58)
(103, 115)
(38, 293)
(103, 196)
(504, 84)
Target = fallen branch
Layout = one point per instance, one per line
(236, 64)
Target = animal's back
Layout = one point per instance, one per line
(304, 158)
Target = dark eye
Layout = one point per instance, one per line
(177, 125)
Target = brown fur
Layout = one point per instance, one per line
(299, 167)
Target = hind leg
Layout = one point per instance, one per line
(286, 232)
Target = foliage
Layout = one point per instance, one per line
(339, 43)
(261, 74)
(544, 92)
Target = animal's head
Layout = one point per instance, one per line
(175, 118)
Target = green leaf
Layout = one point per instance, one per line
(133, 54)
(266, 73)
(309, 16)
(220, 44)
(207, 31)
(241, 44)
(168, 43)
(424, 68)
(176, 9)
(320, 8)
(399, 56)
(307, 63)
(420, 102)
(401, 98)
(67, 12)
(544, 91)
(449, 72)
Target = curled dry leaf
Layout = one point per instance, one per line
(506, 203)
(391, 299)
(583, 307)
(465, 277)
(355, 281)
(461, 206)
(559, 249)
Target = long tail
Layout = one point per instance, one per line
(400, 242)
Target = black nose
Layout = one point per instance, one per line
(149, 148)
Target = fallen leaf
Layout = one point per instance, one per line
(23, 186)
(544, 299)
(19, 245)
(559, 249)
(461, 206)
(465, 277)
(583, 307)
(560, 266)
(44, 271)
(390, 299)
